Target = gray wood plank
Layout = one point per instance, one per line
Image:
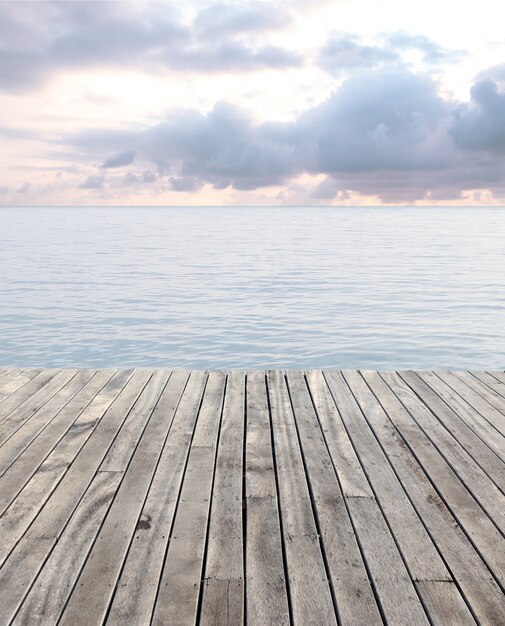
(486, 410)
(488, 460)
(310, 592)
(491, 437)
(19, 514)
(64, 443)
(422, 558)
(30, 385)
(397, 594)
(478, 483)
(18, 441)
(34, 404)
(11, 383)
(33, 548)
(467, 568)
(499, 377)
(124, 444)
(350, 473)
(137, 586)
(266, 598)
(444, 603)
(5, 376)
(179, 589)
(490, 381)
(354, 596)
(487, 393)
(45, 601)
(223, 588)
(465, 508)
(386, 544)
(93, 592)
(290, 499)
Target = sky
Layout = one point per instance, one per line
(341, 102)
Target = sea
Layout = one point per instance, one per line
(253, 287)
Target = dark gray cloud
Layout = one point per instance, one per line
(385, 132)
(120, 159)
(39, 39)
(344, 52)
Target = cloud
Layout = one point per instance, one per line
(231, 19)
(344, 52)
(25, 187)
(40, 39)
(481, 124)
(385, 132)
(92, 182)
(118, 160)
(432, 52)
(185, 183)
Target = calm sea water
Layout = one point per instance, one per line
(253, 287)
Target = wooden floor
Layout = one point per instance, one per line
(139, 497)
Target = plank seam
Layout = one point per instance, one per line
(209, 511)
(279, 509)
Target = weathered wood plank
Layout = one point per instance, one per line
(490, 381)
(17, 442)
(491, 437)
(391, 575)
(223, 588)
(25, 391)
(465, 565)
(354, 596)
(258, 498)
(30, 552)
(17, 517)
(65, 442)
(137, 586)
(488, 460)
(179, 590)
(422, 559)
(14, 380)
(120, 452)
(93, 592)
(46, 599)
(266, 599)
(444, 603)
(308, 582)
(350, 473)
(32, 405)
(486, 410)
(465, 508)
(488, 394)
(7, 374)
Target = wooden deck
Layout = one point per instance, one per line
(351, 498)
